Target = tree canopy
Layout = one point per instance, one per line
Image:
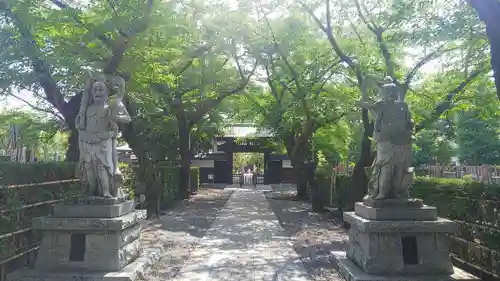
(295, 68)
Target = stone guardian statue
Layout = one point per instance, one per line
(392, 171)
(97, 125)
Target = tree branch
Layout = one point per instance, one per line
(40, 66)
(446, 104)
(488, 11)
(409, 77)
(328, 30)
(378, 31)
(112, 5)
(35, 107)
(162, 88)
(294, 73)
(142, 25)
(371, 25)
(209, 104)
(118, 46)
(274, 91)
(104, 39)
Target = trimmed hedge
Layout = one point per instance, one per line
(23, 173)
(195, 179)
(473, 205)
(19, 173)
(460, 199)
(336, 196)
(16, 214)
(129, 179)
(13, 218)
(168, 179)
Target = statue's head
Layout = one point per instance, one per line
(390, 91)
(99, 92)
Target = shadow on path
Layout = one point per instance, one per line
(245, 243)
(314, 235)
(180, 229)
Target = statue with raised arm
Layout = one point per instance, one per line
(391, 175)
(97, 124)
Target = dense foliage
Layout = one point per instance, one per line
(19, 205)
(471, 204)
(16, 209)
(248, 159)
(295, 68)
(43, 138)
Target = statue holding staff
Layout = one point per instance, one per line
(97, 124)
(391, 174)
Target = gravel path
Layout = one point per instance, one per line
(313, 235)
(180, 229)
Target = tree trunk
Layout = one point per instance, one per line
(73, 152)
(185, 180)
(148, 175)
(317, 200)
(488, 11)
(494, 37)
(300, 179)
(359, 182)
(69, 112)
(185, 153)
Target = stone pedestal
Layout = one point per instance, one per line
(91, 241)
(394, 240)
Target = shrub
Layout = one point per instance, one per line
(473, 205)
(195, 179)
(129, 179)
(29, 173)
(338, 195)
(169, 180)
(166, 180)
(15, 210)
(459, 199)
(23, 173)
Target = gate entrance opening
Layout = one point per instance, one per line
(218, 166)
(248, 168)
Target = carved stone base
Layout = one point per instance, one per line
(394, 203)
(90, 249)
(351, 272)
(424, 213)
(132, 272)
(399, 247)
(102, 201)
(94, 211)
(93, 244)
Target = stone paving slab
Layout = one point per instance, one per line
(245, 242)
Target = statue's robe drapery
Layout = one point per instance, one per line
(97, 144)
(392, 132)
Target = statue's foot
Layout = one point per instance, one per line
(379, 197)
(107, 195)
